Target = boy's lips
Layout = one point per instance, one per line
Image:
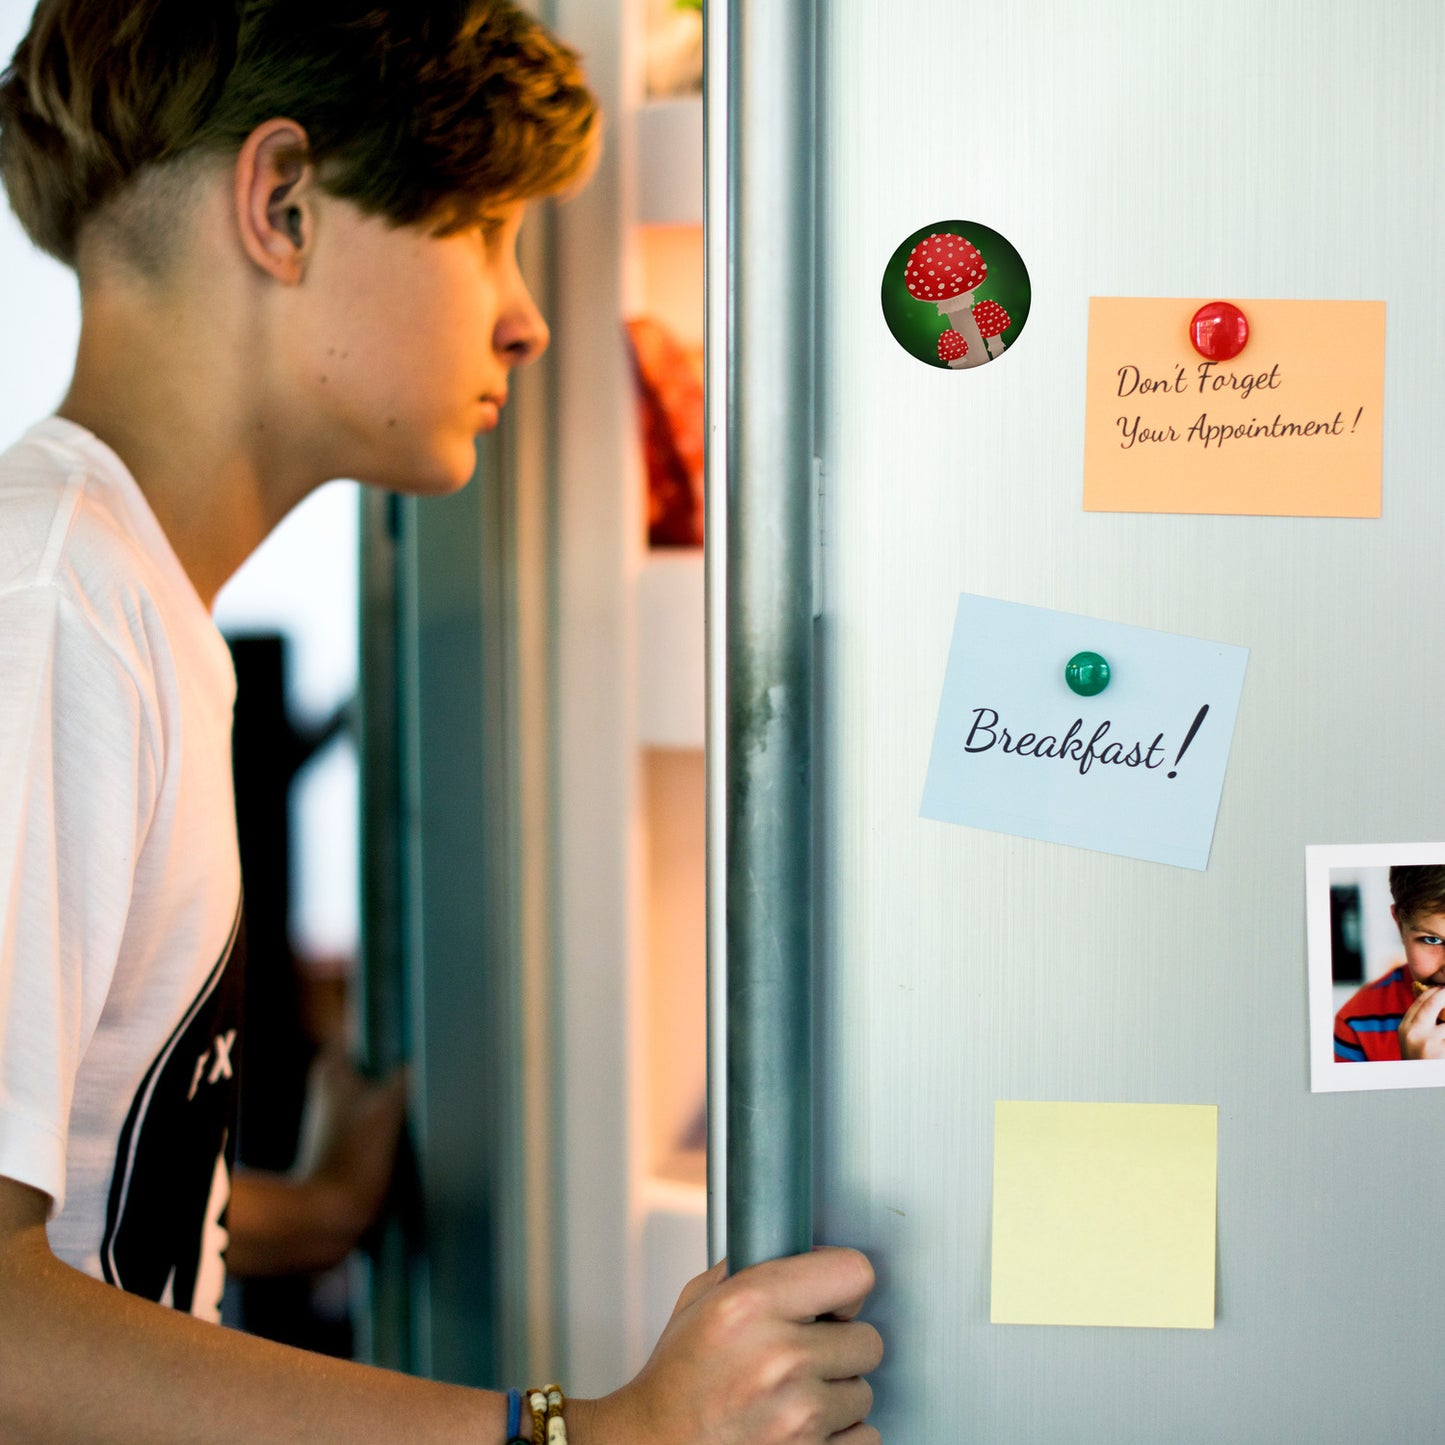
(492, 414)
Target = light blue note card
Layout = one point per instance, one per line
(1136, 769)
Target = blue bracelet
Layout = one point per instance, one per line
(514, 1419)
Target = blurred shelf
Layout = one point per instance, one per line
(686, 1168)
(674, 1246)
(669, 162)
(670, 646)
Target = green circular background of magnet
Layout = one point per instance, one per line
(1087, 674)
(916, 325)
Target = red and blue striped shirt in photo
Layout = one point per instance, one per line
(1367, 1028)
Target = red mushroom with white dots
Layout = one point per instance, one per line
(947, 269)
(992, 321)
(952, 349)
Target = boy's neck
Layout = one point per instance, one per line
(171, 398)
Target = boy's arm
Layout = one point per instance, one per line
(1348, 1048)
(280, 1225)
(85, 1362)
(752, 1360)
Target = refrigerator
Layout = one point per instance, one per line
(891, 986)
(1239, 152)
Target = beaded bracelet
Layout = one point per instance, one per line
(548, 1427)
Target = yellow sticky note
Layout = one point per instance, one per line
(1104, 1214)
(1291, 427)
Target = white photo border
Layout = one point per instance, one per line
(1327, 1075)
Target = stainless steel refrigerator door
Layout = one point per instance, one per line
(1132, 149)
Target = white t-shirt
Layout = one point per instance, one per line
(120, 883)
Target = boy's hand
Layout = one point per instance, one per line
(310, 1219)
(1422, 1035)
(349, 1133)
(772, 1356)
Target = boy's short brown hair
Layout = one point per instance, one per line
(424, 111)
(1418, 890)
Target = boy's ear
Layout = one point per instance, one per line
(1395, 914)
(273, 199)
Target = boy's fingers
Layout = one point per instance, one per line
(394, 1089)
(858, 1435)
(1432, 998)
(847, 1350)
(849, 1311)
(848, 1403)
(803, 1287)
(695, 1289)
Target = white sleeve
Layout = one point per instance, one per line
(76, 792)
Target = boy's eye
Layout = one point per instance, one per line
(1431, 938)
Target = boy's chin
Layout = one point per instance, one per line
(437, 472)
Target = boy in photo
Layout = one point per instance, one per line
(294, 225)
(1399, 1015)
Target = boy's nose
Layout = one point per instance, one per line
(522, 332)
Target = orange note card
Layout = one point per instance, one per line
(1291, 427)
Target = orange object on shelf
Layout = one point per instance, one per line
(670, 404)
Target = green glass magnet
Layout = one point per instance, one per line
(1087, 674)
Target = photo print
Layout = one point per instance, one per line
(1376, 926)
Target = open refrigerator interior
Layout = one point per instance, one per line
(631, 884)
(665, 294)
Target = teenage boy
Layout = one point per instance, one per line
(294, 227)
(1401, 1014)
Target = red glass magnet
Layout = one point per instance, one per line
(1219, 331)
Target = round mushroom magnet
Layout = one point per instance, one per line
(956, 295)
